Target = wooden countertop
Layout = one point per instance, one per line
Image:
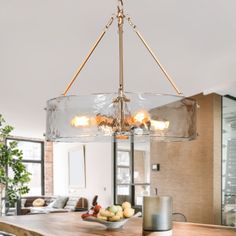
(70, 224)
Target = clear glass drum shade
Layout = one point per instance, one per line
(94, 117)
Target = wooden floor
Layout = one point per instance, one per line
(70, 224)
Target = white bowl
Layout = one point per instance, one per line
(110, 224)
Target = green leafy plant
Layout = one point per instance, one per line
(11, 160)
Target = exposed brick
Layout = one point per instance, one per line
(48, 168)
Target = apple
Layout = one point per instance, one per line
(97, 208)
(85, 215)
(128, 212)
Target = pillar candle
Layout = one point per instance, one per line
(157, 213)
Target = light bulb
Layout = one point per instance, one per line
(80, 121)
(107, 130)
(160, 124)
(141, 117)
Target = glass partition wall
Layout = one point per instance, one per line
(131, 171)
(229, 161)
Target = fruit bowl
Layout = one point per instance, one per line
(113, 217)
(110, 224)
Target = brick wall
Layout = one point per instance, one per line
(48, 168)
(191, 171)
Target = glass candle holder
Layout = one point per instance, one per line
(157, 213)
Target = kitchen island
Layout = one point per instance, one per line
(71, 224)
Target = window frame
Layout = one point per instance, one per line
(41, 161)
(116, 165)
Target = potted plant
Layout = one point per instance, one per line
(14, 176)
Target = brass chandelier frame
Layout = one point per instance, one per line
(120, 17)
(121, 117)
(121, 99)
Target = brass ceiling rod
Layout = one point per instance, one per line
(88, 55)
(120, 4)
(171, 81)
(121, 99)
(120, 16)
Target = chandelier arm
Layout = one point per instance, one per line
(171, 81)
(88, 55)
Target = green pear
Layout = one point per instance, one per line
(113, 209)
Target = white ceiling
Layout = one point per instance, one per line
(43, 41)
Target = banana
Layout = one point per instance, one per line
(120, 214)
(99, 216)
(106, 213)
(114, 218)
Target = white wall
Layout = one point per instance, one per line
(98, 171)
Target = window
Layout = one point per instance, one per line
(33, 159)
(131, 173)
(228, 159)
(123, 176)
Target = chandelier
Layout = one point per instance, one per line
(122, 115)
